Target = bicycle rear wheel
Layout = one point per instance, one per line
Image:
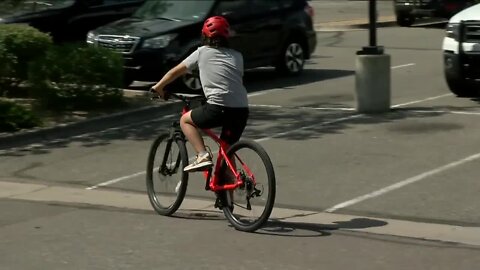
(249, 206)
(166, 181)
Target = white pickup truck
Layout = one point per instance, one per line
(461, 50)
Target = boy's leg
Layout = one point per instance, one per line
(234, 125)
(231, 132)
(205, 116)
(203, 159)
(192, 133)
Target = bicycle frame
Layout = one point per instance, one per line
(230, 173)
(212, 180)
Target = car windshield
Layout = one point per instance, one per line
(174, 9)
(15, 7)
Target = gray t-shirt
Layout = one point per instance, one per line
(221, 72)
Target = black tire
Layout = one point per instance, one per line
(191, 81)
(405, 20)
(254, 156)
(159, 179)
(188, 83)
(292, 58)
(462, 87)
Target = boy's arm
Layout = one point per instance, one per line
(169, 77)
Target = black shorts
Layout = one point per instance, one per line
(232, 120)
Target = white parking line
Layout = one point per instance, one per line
(421, 100)
(444, 112)
(403, 183)
(402, 66)
(116, 180)
(303, 107)
(39, 145)
(352, 109)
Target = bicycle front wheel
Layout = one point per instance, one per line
(166, 181)
(249, 206)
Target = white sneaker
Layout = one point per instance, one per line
(201, 162)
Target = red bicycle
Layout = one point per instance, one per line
(243, 178)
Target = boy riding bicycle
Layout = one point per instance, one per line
(221, 72)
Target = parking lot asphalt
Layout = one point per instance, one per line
(389, 191)
(329, 16)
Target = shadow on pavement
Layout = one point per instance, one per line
(286, 125)
(199, 214)
(265, 121)
(303, 229)
(267, 78)
(280, 227)
(476, 99)
(315, 125)
(256, 81)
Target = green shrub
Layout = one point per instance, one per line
(14, 117)
(7, 61)
(78, 77)
(20, 45)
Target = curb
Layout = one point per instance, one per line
(103, 122)
(466, 235)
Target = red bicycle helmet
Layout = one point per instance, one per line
(216, 26)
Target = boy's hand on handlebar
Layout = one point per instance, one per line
(159, 91)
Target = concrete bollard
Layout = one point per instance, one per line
(372, 85)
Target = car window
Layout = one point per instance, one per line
(237, 8)
(13, 7)
(260, 6)
(174, 9)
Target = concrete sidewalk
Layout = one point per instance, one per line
(192, 207)
(38, 236)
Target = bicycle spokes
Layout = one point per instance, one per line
(166, 180)
(254, 198)
(170, 162)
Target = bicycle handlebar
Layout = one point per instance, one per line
(184, 98)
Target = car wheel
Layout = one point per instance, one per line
(462, 87)
(405, 20)
(292, 58)
(191, 81)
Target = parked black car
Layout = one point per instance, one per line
(161, 33)
(407, 11)
(66, 20)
